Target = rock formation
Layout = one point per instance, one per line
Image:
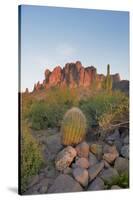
(73, 75)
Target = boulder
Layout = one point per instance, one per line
(53, 143)
(110, 157)
(82, 162)
(95, 170)
(122, 165)
(92, 159)
(97, 150)
(108, 175)
(111, 138)
(82, 150)
(126, 140)
(67, 170)
(81, 175)
(97, 184)
(65, 183)
(125, 151)
(110, 153)
(65, 158)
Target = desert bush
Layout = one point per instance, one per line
(122, 181)
(117, 114)
(73, 127)
(25, 102)
(100, 108)
(31, 158)
(49, 112)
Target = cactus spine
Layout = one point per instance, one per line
(73, 128)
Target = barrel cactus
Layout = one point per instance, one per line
(73, 127)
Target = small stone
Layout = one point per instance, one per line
(108, 175)
(122, 165)
(92, 159)
(81, 175)
(115, 187)
(97, 150)
(65, 158)
(125, 151)
(95, 170)
(97, 184)
(65, 183)
(82, 162)
(82, 150)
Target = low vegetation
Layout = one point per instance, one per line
(31, 158)
(122, 181)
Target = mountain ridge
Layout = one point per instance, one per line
(72, 75)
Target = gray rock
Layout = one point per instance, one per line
(109, 149)
(97, 184)
(118, 144)
(95, 170)
(50, 171)
(111, 138)
(125, 151)
(126, 140)
(65, 183)
(108, 175)
(122, 165)
(82, 150)
(115, 187)
(106, 164)
(67, 170)
(65, 158)
(97, 150)
(110, 153)
(54, 145)
(43, 185)
(82, 162)
(110, 157)
(124, 133)
(81, 175)
(92, 159)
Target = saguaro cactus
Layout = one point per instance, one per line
(73, 128)
(107, 84)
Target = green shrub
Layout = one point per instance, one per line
(118, 113)
(122, 181)
(103, 105)
(26, 102)
(49, 112)
(31, 158)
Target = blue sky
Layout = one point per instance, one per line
(53, 36)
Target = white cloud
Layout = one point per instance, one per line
(65, 50)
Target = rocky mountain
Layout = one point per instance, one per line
(74, 75)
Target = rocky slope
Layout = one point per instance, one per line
(91, 165)
(73, 75)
